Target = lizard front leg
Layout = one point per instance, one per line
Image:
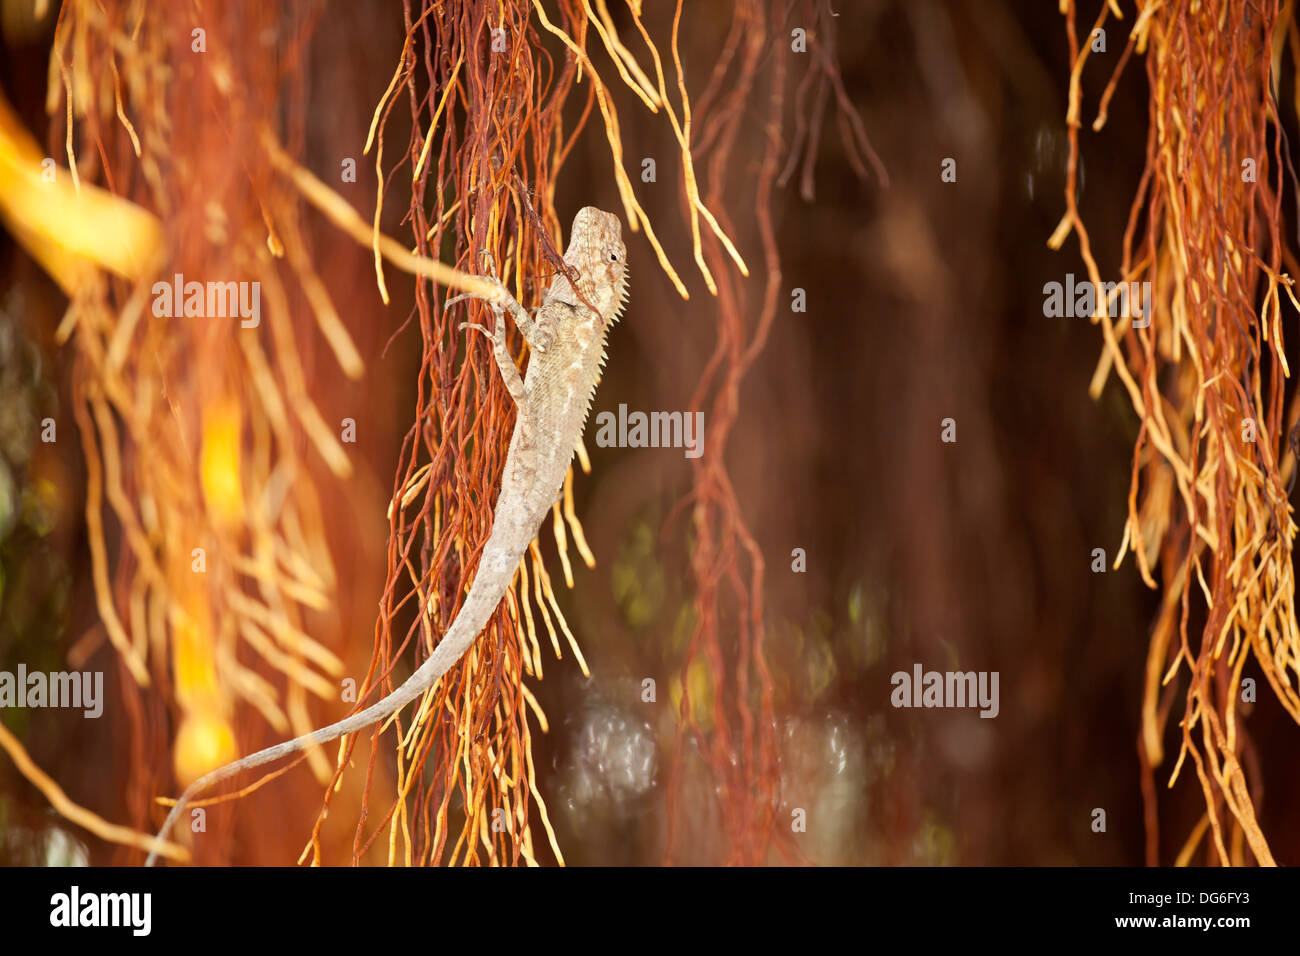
(538, 335)
(509, 371)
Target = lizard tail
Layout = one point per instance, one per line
(495, 572)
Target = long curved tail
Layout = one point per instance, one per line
(495, 572)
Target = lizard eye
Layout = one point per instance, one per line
(613, 257)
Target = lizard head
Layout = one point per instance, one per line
(596, 252)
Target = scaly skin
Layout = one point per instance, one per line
(567, 345)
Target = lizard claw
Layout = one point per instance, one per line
(462, 297)
(539, 338)
(503, 294)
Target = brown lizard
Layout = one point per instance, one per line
(567, 345)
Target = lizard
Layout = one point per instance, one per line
(566, 337)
